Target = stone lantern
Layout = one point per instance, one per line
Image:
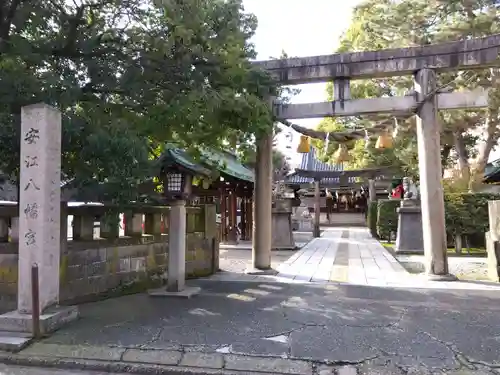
(410, 238)
(178, 185)
(177, 176)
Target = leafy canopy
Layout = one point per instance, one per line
(129, 76)
(380, 24)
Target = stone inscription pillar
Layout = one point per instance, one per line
(39, 204)
(431, 189)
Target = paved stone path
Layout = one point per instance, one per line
(341, 255)
(344, 255)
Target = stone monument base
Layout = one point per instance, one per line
(410, 238)
(282, 234)
(259, 272)
(16, 328)
(187, 292)
(447, 277)
(305, 225)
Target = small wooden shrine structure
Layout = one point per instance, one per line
(232, 190)
(334, 178)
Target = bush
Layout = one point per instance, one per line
(467, 215)
(371, 218)
(387, 217)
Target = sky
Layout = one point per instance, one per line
(300, 28)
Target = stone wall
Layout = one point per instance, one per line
(102, 268)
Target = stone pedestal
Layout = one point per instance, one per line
(409, 238)
(176, 272)
(302, 219)
(282, 226)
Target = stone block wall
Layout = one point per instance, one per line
(101, 268)
(8, 282)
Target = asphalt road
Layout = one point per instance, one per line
(15, 370)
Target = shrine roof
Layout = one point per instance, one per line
(227, 163)
(492, 172)
(311, 163)
(222, 161)
(180, 158)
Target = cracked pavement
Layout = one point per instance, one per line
(429, 331)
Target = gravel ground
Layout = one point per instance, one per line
(464, 268)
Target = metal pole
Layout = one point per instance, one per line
(35, 301)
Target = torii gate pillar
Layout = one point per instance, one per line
(262, 206)
(431, 188)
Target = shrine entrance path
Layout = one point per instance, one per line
(344, 254)
(350, 255)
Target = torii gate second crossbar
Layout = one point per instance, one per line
(423, 63)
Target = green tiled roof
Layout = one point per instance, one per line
(224, 162)
(227, 163)
(181, 157)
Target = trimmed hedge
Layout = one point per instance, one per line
(371, 218)
(387, 217)
(465, 213)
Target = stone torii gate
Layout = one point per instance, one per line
(421, 62)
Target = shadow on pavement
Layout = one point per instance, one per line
(328, 322)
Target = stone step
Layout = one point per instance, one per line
(14, 341)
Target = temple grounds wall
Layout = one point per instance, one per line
(109, 263)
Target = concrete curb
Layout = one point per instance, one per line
(118, 366)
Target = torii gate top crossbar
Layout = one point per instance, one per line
(466, 54)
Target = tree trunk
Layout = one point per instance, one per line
(462, 156)
(458, 244)
(445, 153)
(491, 138)
(467, 244)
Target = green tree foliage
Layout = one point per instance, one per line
(128, 76)
(402, 23)
(281, 167)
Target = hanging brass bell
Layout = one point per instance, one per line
(384, 141)
(342, 154)
(304, 146)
